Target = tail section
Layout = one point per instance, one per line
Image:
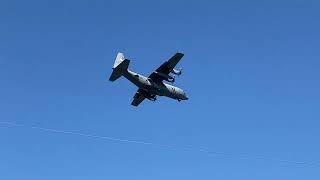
(120, 66)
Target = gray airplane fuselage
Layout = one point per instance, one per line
(155, 88)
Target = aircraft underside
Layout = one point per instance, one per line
(152, 86)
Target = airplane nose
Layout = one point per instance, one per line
(186, 97)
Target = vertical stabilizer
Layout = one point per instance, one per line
(119, 59)
(120, 66)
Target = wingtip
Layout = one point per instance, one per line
(180, 53)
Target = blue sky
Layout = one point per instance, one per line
(251, 70)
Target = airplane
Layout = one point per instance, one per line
(152, 86)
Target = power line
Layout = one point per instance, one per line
(109, 138)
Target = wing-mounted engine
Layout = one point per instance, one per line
(165, 77)
(177, 71)
(163, 72)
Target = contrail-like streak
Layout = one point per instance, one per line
(155, 144)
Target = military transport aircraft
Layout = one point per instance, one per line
(152, 86)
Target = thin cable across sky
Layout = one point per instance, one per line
(164, 146)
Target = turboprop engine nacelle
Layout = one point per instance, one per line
(166, 77)
(177, 71)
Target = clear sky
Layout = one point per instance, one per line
(251, 70)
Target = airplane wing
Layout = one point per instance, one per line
(166, 68)
(138, 97)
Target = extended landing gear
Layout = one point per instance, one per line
(179, 100)
(154, 98)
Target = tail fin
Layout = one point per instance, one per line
(120, 66)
